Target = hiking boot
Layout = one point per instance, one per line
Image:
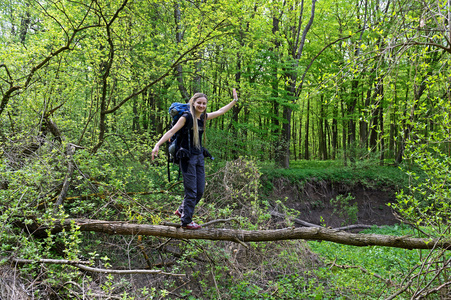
(191, 226)
(177, 213)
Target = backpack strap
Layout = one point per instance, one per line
(186, 129)
(189, 120)
(184, 137)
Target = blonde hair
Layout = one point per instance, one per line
(196, 140)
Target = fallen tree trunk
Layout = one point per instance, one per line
(240, 236)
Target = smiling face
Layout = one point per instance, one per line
(200, 104)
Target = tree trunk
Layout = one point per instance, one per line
(284, 153)
(381, 136)
(344, 134)
(351, 119)
(294, 138)
(307, 125)
(375, 124)
(179, 68)
(322, 147)
(334, 132)
(275, 91)
(241, 236)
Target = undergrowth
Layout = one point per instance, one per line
(366, 272)
(129, 188)
(371, 176)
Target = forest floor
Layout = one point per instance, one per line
(316, 202)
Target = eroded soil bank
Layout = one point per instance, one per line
(317, 202)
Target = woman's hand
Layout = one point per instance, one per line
(155, 152)
(235, 95)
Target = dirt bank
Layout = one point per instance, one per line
(356, 204)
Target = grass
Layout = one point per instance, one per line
(363, 173)
(366, 272)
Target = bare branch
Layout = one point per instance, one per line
(295, 220)
(124, 272)
(219, 221)
(50, 261)
(7, 72)
(81, 265)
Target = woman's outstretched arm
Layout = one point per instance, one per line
(224, 109)
(180, 123)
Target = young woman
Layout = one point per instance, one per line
(192, 165)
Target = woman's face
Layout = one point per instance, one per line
(200, 104)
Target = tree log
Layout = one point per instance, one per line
(241, 236)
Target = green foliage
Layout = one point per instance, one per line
(101, 75)
(425, 203)
(367, 272)
(334, 171)
(343, 207)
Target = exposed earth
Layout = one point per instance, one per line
(354, 205)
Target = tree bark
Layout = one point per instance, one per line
(307, 128)
(275, 90)
(70, 151)
(179, 68)
(240, 236)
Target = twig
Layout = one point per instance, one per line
(220, 221)
(163, 244)
(402, 290)
(435, 290)
(356, 226)
(171, 224)
(237, 240)
(295, 220)
(214, 280)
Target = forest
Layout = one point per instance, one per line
(334, 97)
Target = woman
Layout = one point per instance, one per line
(193, 166)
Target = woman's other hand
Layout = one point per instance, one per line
(155, 152)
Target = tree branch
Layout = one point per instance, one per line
(82, 265)
(313, 234)
(207, 38)
(124, 272)
(49, 261)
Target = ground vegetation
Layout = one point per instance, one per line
(342, 122)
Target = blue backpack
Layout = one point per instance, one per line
(176, 110)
